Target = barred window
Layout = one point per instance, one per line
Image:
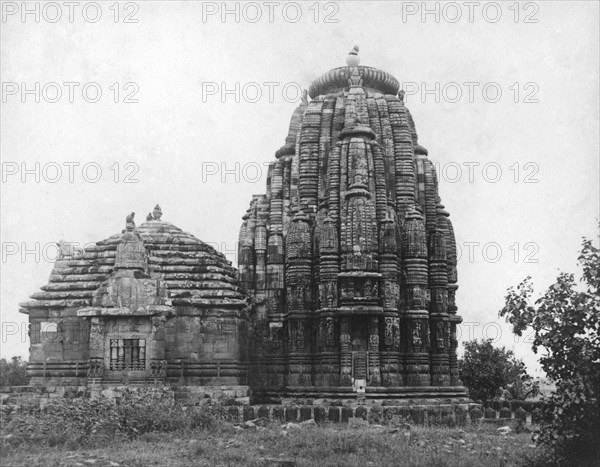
(127, 354)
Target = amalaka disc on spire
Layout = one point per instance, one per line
(337, 79)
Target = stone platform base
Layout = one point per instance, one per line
(32, 395)
(372, 395)
(238, 395)
(420, 414)
(236, 405)
(235, 401)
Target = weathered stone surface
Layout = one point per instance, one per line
(319, 414)
(263, 412)
(334, 414)
(361, 412)
(347, 413)
(520, 414)
(475, 414)
(249, 413)
(279, 413)
(305, 413)
(291, 414)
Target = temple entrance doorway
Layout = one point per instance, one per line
(360, 356)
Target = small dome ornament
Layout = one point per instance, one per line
(157, 212)
(353, 59)
(304, 97)
(155, 215)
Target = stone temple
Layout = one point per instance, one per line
(346, 283)
(152, 303)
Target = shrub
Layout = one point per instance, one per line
(97, 422)
(489, 372)
(566, 325)
(69, 422)
(13, 373)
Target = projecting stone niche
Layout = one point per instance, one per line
(127, 348)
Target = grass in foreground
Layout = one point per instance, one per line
(326, 445)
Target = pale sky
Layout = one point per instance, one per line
(541, 132)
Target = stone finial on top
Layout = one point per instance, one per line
(353, 59)
(131, 252)
(401, 94)
(149, 217)
(157, 212)
(129, 223)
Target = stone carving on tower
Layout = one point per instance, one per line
(130, 286)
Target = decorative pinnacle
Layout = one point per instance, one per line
(414, 212)
(305, 97)
(157, 212)
(387, 218)
(353, 59)
(129, 222)
(155, 215)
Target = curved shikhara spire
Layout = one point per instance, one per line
(359, 247)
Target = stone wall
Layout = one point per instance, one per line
(57, 335)
(502, 411)
(205, 347)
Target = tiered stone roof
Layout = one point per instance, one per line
(195, 273)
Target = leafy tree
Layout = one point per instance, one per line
(521, 384)
(566, 326)
(487, 370)
(13, 373)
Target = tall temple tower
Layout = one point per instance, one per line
(350, 255)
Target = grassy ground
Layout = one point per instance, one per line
(327, 445)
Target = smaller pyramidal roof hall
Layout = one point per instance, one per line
(194, 272)
(152, 303)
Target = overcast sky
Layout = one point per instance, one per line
(504, 97)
